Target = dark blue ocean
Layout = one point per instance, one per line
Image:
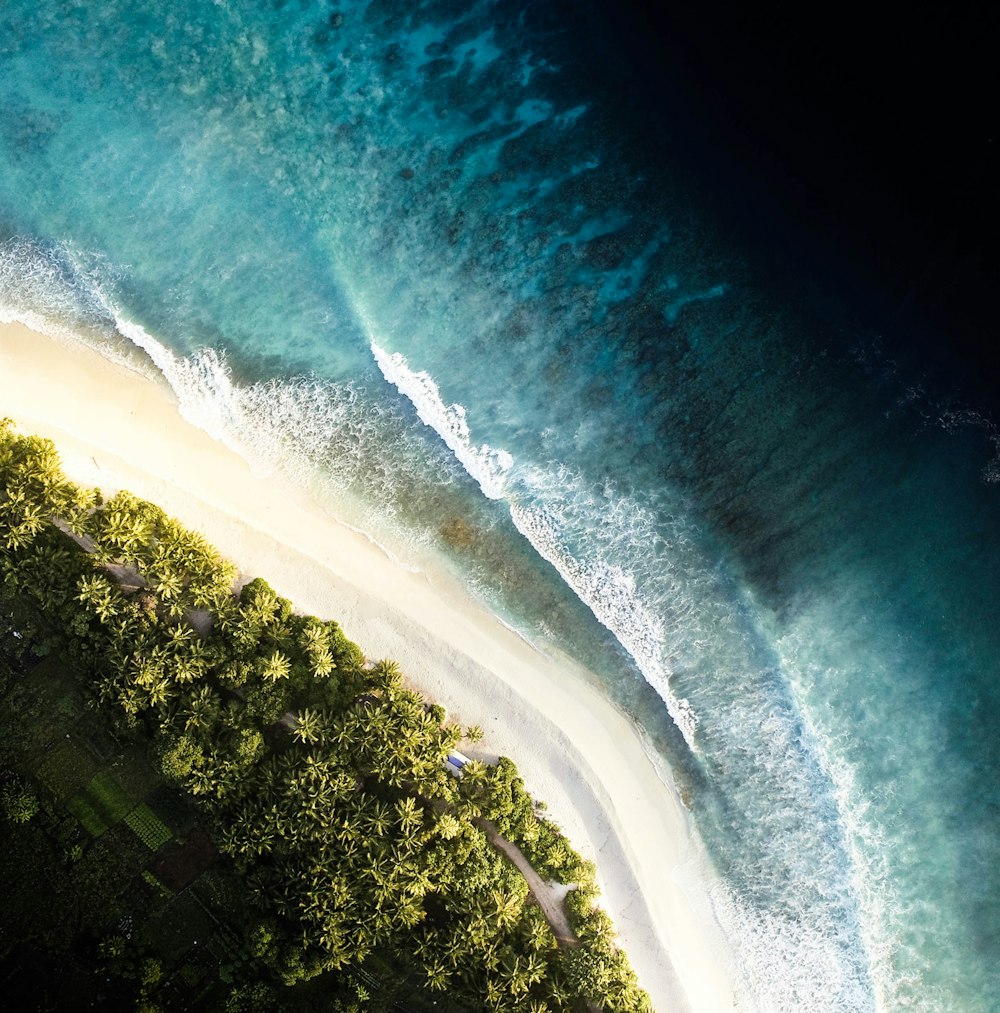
(417, 257)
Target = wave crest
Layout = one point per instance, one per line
(540, 502)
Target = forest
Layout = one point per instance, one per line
(225, 754)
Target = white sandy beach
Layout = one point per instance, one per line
(117, 429)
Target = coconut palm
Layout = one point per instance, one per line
(378, 818)
(506, 908)
(312, 636)
(385, 675)
(169, 585)
(202, 710)
(410, 817)
(276, 667)
(537, 933)
(438, 975)
(179, 637)
(558, 992)
(308, 726)
(192, 663)
(124, 532)
(518, 975)
(322, 663)
(496, 995)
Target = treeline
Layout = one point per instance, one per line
(322, 776)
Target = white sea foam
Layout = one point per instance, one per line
(306, 426)
(790, 964)
(610, 593)
(796, 931)
(489, 467)
(40, 289)
(607, 589)
(313, 432)
(205, 392)
(897, 969)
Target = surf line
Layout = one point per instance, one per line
(606, 589)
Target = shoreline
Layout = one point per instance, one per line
(115, 428)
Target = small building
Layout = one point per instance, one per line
(455, 762)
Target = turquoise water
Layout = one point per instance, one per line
(413, 255)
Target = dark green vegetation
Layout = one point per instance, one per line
(211, 802)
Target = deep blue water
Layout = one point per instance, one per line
(420, 257)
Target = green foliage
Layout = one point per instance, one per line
(20, 804)
(255, 998)
(267, 701)
(151, 972)
(148, 827)
(32, 489)
(180, 757)
(113, 948)
(109, 796)
(249, 746)
(67, 769)
(322, 779)
(159, 887)
(275, 666)
(91, 821)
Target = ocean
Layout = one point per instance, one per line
(433, 262)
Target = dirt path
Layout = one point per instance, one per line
(549, 895)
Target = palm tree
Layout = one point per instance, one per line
(378, 818)
(308, 726)
(276, 667)
(348, 730)
(93, 589)
(160, 690)
(262, 886)
(31, 520)
(535, 968)
(507, 908)
(312, 636)
(169, 585)
(123, 531)
(539, 935)
(558, 992)
(184, 672)
(419, 882)
(448, 826)
(322, 663)
(410, 818)
(516, 972)
(385, 675)
(438, 975)
(496, 995)
(202, 710)
(179, 636)
(200, 652)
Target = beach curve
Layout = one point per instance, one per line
(115, 429)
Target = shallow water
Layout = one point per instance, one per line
(411, 255)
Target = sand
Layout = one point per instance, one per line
(117, 429)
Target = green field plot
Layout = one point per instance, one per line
(134, 773)
(67, 769)
(90, 819)
(109, 796)
(100, 805)
(148, 827)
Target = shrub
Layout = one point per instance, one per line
(19, 803)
